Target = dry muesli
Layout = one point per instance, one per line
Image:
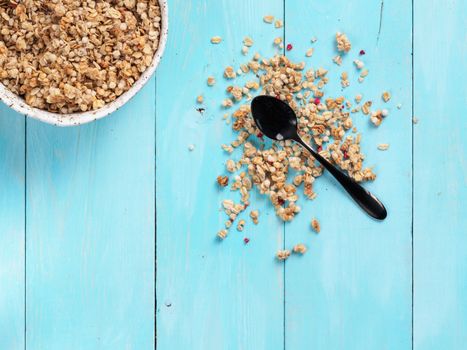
(69, 56)
(281, 170)
(283, 254)
(299, 248)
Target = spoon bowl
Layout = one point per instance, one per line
(278, 121)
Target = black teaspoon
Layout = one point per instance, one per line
(277, 120)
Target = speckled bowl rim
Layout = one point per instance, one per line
(18, 104)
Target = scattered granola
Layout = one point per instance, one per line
(299, 248)
(359, 64)
(282, 171)
(222, 234)
(75, 56)
(415, 120)
(200, 99)
(283, 255)
(268, 19)
(337, 60)
(278, 23)
(216, 40)
(386, 96)
(211, 81)
(241, 225)
(229, 73)
(248, 41)
(383, 146)
(315, 226)
(223, 181)
(254, 215)
(309, 52)
(343, 43)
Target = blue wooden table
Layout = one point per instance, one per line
(107, 231)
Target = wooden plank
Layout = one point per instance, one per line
(90, 231)
(352, 289)
(210, 294)
(11, 229)
(440, 174)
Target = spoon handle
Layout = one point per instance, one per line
(364, 199)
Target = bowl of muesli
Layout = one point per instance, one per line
(70, 62)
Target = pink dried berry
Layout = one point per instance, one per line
(317, 101)
(246, 240)
(289, 47)
(362, 52)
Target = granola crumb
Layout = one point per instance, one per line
(248, 41)
(359, 64)
(386, 96)
(268, 19)
(309, 52)
(415, 120)
(254, 215)
(300, 248)
(191, 148)
(278, 23)
(200, 99)
(241, 225)
(383, 146)
(343, 43)
(283, 254)
(316, 226)
(399, 106)
(216, 40)
(358, 98)
(222, 234)
(314, 39)
(223, 181)
(384, 113)
(278, 41)
(229, 73)
(337, 60)
(211, 81)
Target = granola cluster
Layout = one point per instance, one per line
(69, 56)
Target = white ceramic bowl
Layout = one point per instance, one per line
(18, 104)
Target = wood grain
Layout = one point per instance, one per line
(211, 294)
(440, 176)
(12, 221)
(90, 231)
(352, 290)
